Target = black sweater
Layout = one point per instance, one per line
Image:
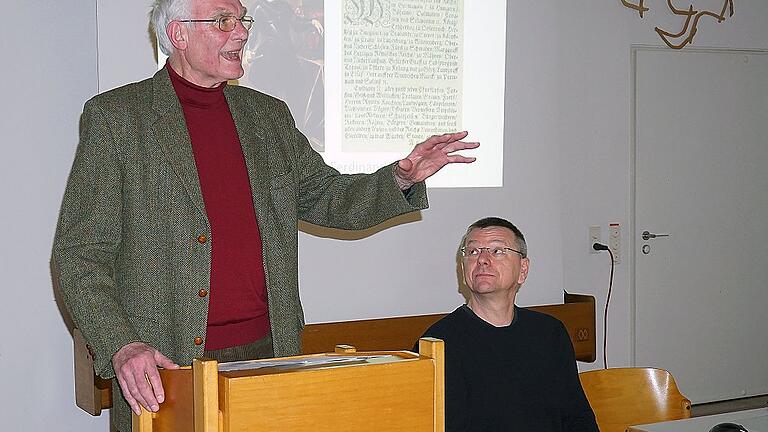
(521, 377)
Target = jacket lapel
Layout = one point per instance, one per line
(251, 128)
(170, 131)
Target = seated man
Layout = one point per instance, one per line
(507, 368)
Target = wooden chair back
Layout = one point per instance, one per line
(622, 397)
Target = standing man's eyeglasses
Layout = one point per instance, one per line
(226, 23)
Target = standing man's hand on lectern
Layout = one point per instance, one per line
(135, 367)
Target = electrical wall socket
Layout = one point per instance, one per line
(594, 237)
(614, 241)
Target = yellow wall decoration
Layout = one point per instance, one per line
(690, 25)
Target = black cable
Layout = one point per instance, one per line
(599, 247)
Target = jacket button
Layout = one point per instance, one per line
(198, 340)
(202, 238)
(202, 293)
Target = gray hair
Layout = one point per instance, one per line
(501, 223)
(162, 13)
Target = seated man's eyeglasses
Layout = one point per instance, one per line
(226, 23)
(497, 252)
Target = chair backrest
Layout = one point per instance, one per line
(622, 397)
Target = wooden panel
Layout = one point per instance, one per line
(206, 394)
(435, 349)
(92, 393)
(397, 396)
(578, 316)
(175, 413)
(142, 422)
(399, 333)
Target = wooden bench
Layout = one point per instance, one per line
(93, 393)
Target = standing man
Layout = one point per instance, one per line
(507, 368)
(177, 236)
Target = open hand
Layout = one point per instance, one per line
(430, 156)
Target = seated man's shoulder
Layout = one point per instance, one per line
(539, 319)
(447, 324)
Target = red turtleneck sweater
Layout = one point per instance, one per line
(237, 312)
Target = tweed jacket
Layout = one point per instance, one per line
(128, 257)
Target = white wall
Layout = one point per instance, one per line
(49, 69)
(593, 130)
(567, 166)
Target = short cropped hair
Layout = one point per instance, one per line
(503, 223)
(162, 13)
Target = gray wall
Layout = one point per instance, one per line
(567, 166)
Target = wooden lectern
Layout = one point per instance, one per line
(385, 391)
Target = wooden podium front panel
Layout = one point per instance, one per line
(387, 397)
(176, 413)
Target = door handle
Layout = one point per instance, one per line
(647, 235)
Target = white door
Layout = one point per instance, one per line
(701, 176)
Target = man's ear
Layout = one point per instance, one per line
(177, 33)
(524, 265)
